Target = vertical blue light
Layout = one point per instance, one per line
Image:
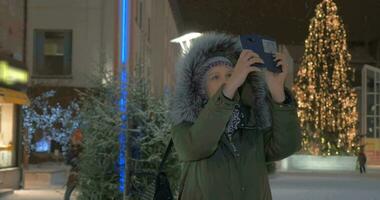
(124, 31)
(123, 93)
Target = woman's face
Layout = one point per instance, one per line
(216, 76)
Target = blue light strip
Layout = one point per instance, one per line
(124, 31)
(123, 94)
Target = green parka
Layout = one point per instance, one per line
(216, 167)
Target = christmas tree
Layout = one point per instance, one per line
(149, 114)
(148, 135)
(100, 122)
(323, 87)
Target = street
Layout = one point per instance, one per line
(285, 186)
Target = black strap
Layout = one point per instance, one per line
(167, 152)
(168, 149)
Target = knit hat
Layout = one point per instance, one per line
(208, 64)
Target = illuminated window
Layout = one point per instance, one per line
(52, 53)
(371, 84)
(7, 136)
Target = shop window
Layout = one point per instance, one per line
(7, 136)
(52, 53)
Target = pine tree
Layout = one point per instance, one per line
(323, 87)
(148, 135)
(149, 114)
(100, 122)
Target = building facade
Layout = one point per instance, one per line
(13, 80)
(152, 27)
(68, 41)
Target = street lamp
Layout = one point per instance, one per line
(185, 40)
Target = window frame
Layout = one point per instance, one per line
(38, 53)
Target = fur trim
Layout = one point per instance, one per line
(189, 96)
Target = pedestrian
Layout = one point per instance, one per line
(230, 119)
(72, 158)
(362, 159)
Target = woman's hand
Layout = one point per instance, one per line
(241, 70)
(276, 81)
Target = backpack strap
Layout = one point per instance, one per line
(164, 158)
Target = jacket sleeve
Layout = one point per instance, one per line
(284, 137)
(199, 140)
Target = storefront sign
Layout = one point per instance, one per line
(11, 75)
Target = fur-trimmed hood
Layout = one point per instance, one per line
(189, 97)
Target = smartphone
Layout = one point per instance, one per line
(265, 47)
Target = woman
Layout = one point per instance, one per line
(231, 118)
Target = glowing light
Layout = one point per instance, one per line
(323, 87)
(185, 40)
(10, 75)
(43, 145)
(123, 93)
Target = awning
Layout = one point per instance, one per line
(13, 96)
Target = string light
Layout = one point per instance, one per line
(326, 100)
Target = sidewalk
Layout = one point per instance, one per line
(43, 194)
(304, 185)
(45, 181)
